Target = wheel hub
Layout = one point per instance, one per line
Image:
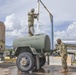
(24, 62)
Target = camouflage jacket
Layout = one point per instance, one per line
(62, 48)
(31, 16)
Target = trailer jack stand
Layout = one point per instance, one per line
(37, 62)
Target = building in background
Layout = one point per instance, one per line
(71, 44)
(2, 36)
(71, 48)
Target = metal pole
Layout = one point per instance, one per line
(45, 7)
(51, 18)
(38, 9)
(52, 33)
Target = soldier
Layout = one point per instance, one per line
(31, 16)
(0, 48)
(63, 52)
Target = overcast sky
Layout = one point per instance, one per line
(14, 14)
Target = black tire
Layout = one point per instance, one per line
(42, 61)
(25, 62)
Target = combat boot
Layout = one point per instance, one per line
(63, 71)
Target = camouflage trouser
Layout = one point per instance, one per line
(30, 28)
(64, 62)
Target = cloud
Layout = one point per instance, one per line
(15, 27)
(15, 15)
(19, 27)
(69, 33)
(12, 23)
(62, 10)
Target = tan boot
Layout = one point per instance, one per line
(67, 70)
(63, 71)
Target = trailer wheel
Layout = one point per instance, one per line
(42, 61)
(25, 62)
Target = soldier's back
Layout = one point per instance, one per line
(31, 16)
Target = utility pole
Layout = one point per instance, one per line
(51, 19)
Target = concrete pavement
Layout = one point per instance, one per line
(11, 69)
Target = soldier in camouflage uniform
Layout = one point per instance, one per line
(0, 49)
(63, 52)
(31, 16)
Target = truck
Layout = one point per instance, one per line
(28, 48)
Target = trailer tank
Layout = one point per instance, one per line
(38, 42)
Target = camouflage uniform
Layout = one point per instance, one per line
(31, 16)
(63, 53)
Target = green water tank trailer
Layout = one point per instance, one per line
(26, 48)
(38, 42)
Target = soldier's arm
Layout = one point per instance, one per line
(30, 13)
(56, 49)
(36, 15)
